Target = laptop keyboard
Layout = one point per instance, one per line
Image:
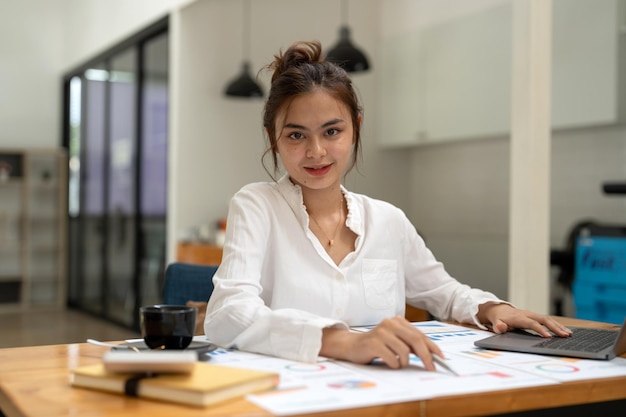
(582, 339)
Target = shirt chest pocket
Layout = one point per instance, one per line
(380, 282)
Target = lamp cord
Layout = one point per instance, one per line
(246, 29)
(344, 12)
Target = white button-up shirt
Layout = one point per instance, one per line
(277, 288)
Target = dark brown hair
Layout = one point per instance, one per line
(299, 70)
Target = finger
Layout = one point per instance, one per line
(402, 338)
(421, 345)
(543, 325)
(425, 354)
(425, 349)
(499, 327)
(434, 349)
(400, 350)
(539, 328)
(556, 327)
(388, 348)
(527, 320)
(562, 330)
(540, 324)
(390, 359)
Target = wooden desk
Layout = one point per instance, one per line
(34, 382)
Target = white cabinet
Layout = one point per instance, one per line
(586, 62)
(467, 76)
(457, 80)
(32, 228)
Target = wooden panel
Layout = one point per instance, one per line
(199, 253)
(416, 314)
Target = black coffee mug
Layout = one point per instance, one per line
(167, 326)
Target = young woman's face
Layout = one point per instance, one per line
(315, 137)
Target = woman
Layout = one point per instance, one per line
(304, 258)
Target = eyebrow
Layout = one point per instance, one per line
(328, 123)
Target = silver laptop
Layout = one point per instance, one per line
(583, 343)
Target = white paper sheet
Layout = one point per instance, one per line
(332, 385)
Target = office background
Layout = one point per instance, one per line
(456, 192)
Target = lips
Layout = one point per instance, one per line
(318, 171)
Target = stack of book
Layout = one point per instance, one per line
(202, 385)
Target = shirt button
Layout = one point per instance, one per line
(338, 311)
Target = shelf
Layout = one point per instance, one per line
(11, 274)
(11, 182)
(42, 278)
(34, 220)
(10, 292)
(10, 246)
(10, 277)
(32, 227)
(43, 247)
(43, 293)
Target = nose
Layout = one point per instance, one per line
(315, 148)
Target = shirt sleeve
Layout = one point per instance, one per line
(430, 287)
(237, 315)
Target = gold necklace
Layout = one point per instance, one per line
(331, 242)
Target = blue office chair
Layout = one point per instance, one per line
(187, 282)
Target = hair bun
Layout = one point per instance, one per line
(299, 53)
(303, 52)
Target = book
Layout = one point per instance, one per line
(155, 361)
(207, 384)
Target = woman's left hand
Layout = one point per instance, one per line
(504, 317)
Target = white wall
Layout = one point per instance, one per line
(92, 26)
(582, 159)
(30, 86)
(421, 13)
(40, 40)
(460, 203)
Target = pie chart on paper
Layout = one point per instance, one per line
(352, 384)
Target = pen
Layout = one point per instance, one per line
(442, 362)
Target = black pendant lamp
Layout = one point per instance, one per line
(244, 85)
(344, 53)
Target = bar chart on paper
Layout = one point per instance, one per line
(332, 385)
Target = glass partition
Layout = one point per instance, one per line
(116, 134)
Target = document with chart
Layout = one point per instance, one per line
(457, 343)
(332, 385)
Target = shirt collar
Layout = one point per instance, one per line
(292, 193)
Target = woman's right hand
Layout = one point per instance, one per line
(391, 341)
